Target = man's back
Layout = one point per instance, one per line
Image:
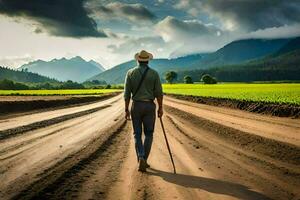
(150, 87)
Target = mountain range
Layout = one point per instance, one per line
(242, 60)
(75, 69)
(275, 67)
(236, 52)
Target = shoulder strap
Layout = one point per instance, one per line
(141, 81)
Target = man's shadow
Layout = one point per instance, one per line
(209, 184)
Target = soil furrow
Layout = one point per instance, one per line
(27, 142)
(5, 134)
(275, 149)
(282, 179)
(39, 103)
(281, 110)
(51, 179)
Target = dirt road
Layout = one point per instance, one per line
(87, 152)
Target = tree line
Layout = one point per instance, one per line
(7, 84)
(171, 77)
(23, 76)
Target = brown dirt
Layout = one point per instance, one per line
(14, 104)
(40, 124)
(219, 153)
(280, 110)
(35, 98)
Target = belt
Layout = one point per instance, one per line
(144, 100)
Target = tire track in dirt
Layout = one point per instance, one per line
(6, 150)
(275, 149)
(197, 178)
(19, 105)
(23, 119)
(67, 178)
(56, 146)
(131, 184)
(280, 129)
(5, 134)
(288, 171)
(277, 180)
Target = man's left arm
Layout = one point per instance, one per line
(158, 92)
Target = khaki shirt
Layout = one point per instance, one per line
(150, 89)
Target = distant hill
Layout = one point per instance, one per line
(292, 45)
(233, 53)
(117, 73)
(241, 51)
(23, 76)
(75, 69)
(97, 65)
(280, 66)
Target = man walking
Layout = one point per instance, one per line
(142, 85)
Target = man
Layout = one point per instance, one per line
(142, 85)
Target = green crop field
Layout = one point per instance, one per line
(275, 93)
(58, 92)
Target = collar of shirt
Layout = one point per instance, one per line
(143, 65)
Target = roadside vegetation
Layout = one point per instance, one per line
(287, 93)
(10, 88)
(12, 85)
(57, 92)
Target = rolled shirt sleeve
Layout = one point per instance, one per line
(158, 92)
(127, 87)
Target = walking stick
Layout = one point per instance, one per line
(170, 153)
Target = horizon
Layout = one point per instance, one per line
(111, 32)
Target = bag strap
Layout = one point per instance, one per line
(141, 81)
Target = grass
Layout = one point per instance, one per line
(287, 93)
(57, 92)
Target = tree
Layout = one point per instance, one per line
(95, 82)
(188, 80)
(71, 85)
(208, 79)
(46, 86)
(98, 82)
(7, 85)
(10, 85)
(170, 76)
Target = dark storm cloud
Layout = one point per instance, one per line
(257, 14)
(247, 14)
(132, 12)
(58, 17)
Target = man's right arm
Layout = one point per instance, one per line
(127, 96)
(127, 87)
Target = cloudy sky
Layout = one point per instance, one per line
(110, 32)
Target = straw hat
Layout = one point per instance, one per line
(143, 56)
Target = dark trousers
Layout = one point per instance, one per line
(143, 118)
